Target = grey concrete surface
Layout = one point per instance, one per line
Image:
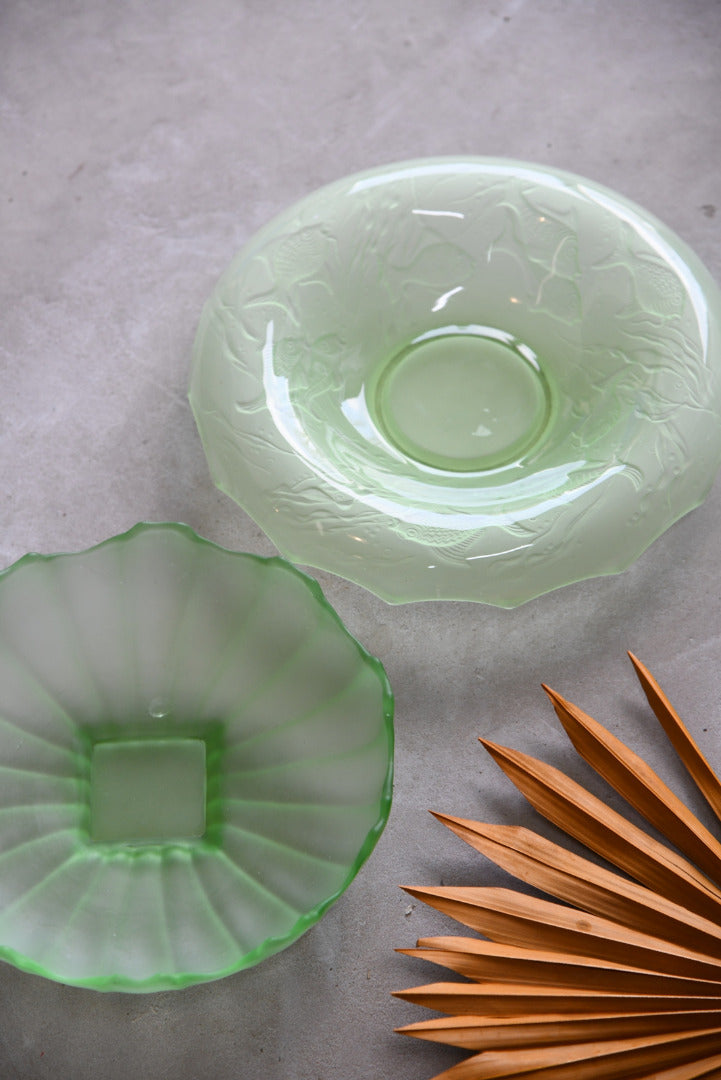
(142, 144)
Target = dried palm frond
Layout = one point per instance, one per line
(618, 976)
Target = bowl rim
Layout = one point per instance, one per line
(448, 163)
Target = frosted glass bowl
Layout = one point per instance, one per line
(463, 379)
(196, 759)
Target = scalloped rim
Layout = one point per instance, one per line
(164, 982)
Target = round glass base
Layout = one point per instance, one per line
(462, 399)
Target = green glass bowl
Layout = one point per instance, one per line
(196, 760)
(463, 379)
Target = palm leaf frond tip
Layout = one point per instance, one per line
(618, 976)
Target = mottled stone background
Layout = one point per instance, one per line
(142, 144)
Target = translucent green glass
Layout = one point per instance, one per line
(196, 760)
(463, 379)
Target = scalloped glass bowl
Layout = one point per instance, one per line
(196, 760)
(463, 379)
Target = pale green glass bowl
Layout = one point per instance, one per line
(462, 379)
(196, 760)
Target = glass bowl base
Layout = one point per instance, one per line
(147, 791)
(462, 399)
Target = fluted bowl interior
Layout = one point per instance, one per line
(462, 378)
(196, 760)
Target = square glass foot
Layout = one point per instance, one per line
(147, 790)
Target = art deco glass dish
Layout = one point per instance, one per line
(462, 378)
(196, 760)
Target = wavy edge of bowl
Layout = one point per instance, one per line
(163, 982)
